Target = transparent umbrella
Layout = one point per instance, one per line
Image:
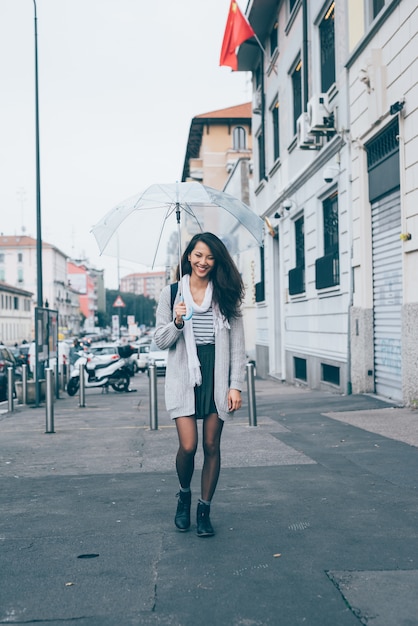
(149, 228)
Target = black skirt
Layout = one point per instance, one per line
(204, 397)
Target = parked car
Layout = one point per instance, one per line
(63, 355)
(142, 357)
(158, 358)
(6, 360)
(106, 352)
(21, 353)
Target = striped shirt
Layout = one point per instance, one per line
(203, 328)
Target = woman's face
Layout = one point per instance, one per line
(201, 260)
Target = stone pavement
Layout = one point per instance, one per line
(315, 514)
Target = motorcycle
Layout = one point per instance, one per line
(97, 374)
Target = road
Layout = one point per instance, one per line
(315, 514)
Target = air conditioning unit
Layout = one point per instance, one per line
(320, 118)
(257, 102)
(305, 140)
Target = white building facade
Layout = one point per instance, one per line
(335, 153)
(382, 70)
(301, 171)
(18, 267)
(16, 315)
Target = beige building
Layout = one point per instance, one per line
(148, 284)
(217, 140)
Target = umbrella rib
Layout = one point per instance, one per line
(169, 212)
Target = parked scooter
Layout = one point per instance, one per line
(113, 373)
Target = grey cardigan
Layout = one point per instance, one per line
(229, 361)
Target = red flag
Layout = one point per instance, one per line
(237, 30)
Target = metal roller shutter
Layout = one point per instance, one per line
(387, 295)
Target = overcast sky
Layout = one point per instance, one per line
(119, 83)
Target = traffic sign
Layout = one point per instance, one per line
(119, 302)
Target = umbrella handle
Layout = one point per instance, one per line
(190, 312)
(189, 315)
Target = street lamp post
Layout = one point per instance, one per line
(38, 175)
(40, 298)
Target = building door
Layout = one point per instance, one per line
(387, 295)
(384, 196)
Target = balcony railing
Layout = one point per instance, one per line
(297, 280)
(259, 292)
(327, 271)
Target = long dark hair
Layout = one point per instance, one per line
(228, 288)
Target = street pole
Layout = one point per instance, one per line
(39, 290)
(38, 174)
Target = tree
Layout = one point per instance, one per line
(142, 308)
(103, 319)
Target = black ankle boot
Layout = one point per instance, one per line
(204, 527)
(182, 518)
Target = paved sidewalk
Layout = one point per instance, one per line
(315, 515)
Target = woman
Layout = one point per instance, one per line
(205, 365)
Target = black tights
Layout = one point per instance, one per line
(188, 438)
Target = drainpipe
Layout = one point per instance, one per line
(305, 73)
(282, 303)
(263, 116)
(350, 237)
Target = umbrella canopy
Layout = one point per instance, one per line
(146, 228)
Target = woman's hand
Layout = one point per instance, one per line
(234, 400)
(179, 310)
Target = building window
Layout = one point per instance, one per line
(19, 257)
(276, 134)
(326, 34)
(297, 274)
(327, 268)
(274, 39)
(373, 8)
(20, 274)
(330, 374)
(1, 257)
(300, 368)
(377, 6)
(257, 78)
(261, 156)
(259, 287)
(2, 275)
(300, 241)
(297, 94)
(16, 303)
(330, 211)
(239, 138)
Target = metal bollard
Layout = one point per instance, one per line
(49, 405)
(64, 376)
(153, 404)
(82, 394)
(57, 379)
(252, 415)
(10, 389)
(24, 384)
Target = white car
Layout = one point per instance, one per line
(104, 353)
(158, 358)
(63, 355)
(142, 357)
